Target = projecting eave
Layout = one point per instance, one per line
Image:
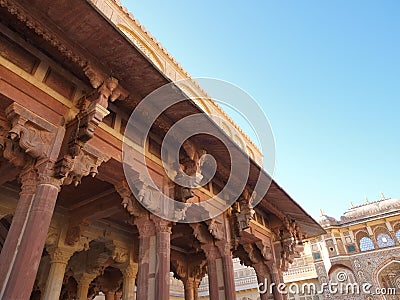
(78, 36)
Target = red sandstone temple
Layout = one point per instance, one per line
(71, 73)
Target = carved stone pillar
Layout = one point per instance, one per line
(28, 186)
(145, 281)
(130, 273)
(263, 280)
(227, 263)
(189, 289)
(277, 278)
(110, 295)
(21, 278)
(215, 272)
(83, 285)
(196, 289)
(59, 260)
(163, 233)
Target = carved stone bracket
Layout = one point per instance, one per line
(76, 158)
(216, 228)
(253, 253)
(94, 260)
(189, 171)
(266, 250)
(74, 232)
(188, 268)
(151, 198)
(201, 233)
(129, 202)
(242, 212)
(120, 255)
(85, 163)
(290, 239)
(28, 136)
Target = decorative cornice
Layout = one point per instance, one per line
(71, 53)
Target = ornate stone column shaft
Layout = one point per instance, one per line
(58, 263)
(277, 278)
(146, 233)
(163, 233)
(229, 280)
(196, 289)
(15, 233)
(130, 273)
(83, 286)
(20, 281)
(214, 272)
(262, 278)
(189, 289)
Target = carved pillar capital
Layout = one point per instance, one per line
(45, 170)
(145, 227)
(162, 225)
(85, 278)
(224, 248)
(59, 254)
(211, 251)
(130, 271)
(29, 180)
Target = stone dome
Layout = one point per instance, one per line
(326, 220)
(371, 209)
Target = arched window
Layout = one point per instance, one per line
(366, 244)
(384, 240)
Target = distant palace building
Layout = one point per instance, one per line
(363, 247)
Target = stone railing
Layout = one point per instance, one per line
(300, 273)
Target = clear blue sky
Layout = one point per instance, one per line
(327, 74)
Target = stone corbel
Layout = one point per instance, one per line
(201, 233)
(216, 228)
(252, 253)
(28, 136)
(75, 152)
(129, 202)
(243, 212)
(74, 234)
(265, 249)
(108, 90)
(85, 163)
(151, 198)
(120, 255)
(189, 171)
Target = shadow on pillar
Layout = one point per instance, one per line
(5, 224)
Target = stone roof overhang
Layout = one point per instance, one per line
(77, 35)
